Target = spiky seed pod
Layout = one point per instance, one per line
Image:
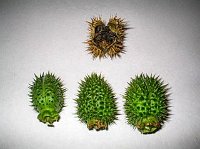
(106, 40)
(47, 97)
(96, 103)
(146, 103)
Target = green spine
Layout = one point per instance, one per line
(146, 103)
(96, 103)
(47, 97)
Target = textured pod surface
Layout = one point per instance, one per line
(146, 103)
(47, 97)
(106, 40)
(96, 103)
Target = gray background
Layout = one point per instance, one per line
(40, 36)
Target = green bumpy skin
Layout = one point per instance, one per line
(96, 103)
(47, 97)
(146, 103)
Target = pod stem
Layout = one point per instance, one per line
(96, 124)
(148, 125)
(48, 116)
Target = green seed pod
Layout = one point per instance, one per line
(96, 103)
(146, 103)
(47, 97)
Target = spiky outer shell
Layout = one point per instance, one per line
(106, 40)
(96, 103)
(47, 97)
(146, 103)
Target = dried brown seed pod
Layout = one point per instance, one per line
(106, 40)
